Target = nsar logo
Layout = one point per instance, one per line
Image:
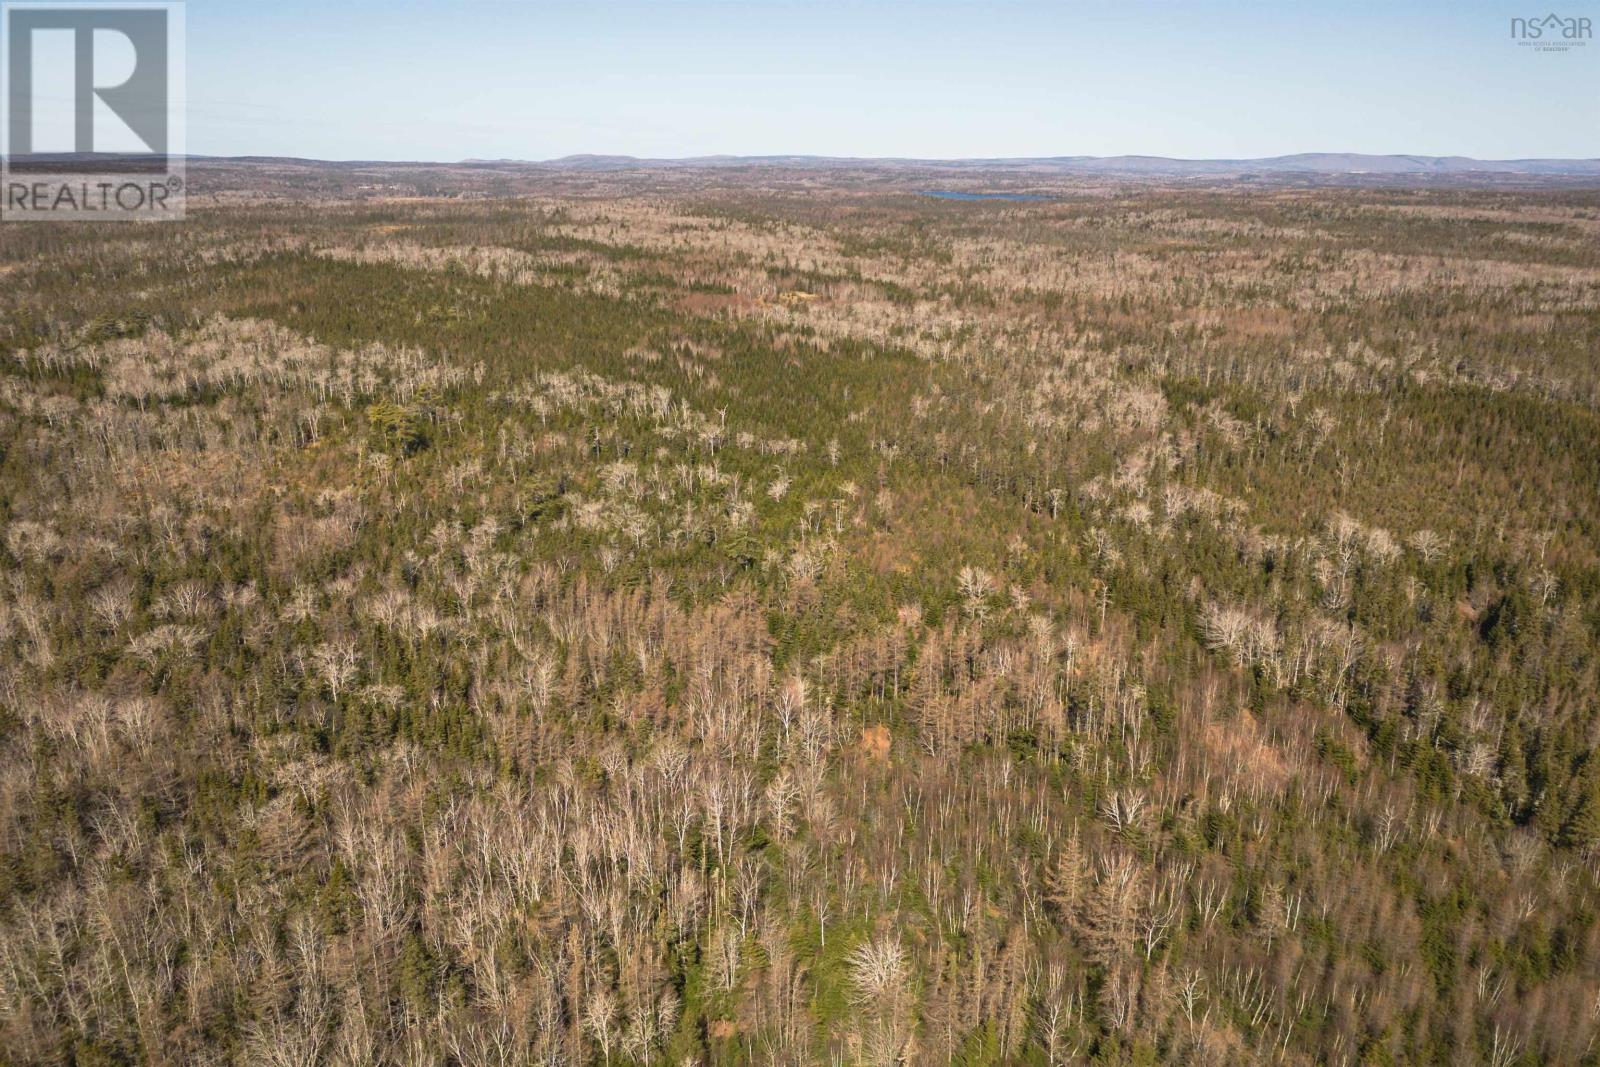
(1552, 33)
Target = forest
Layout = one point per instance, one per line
(790, 619)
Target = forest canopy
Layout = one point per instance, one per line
(627, 622)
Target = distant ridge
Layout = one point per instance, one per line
(1155, 166)
(291, 177)
(1303, 163)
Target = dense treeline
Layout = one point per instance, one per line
(782, 628)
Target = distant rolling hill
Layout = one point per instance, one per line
(1301, 164)
(1305, 163)
(295, 179)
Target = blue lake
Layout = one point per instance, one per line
(943, 194)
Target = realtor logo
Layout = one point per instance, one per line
(93, 116)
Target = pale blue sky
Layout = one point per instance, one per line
(536, 79)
